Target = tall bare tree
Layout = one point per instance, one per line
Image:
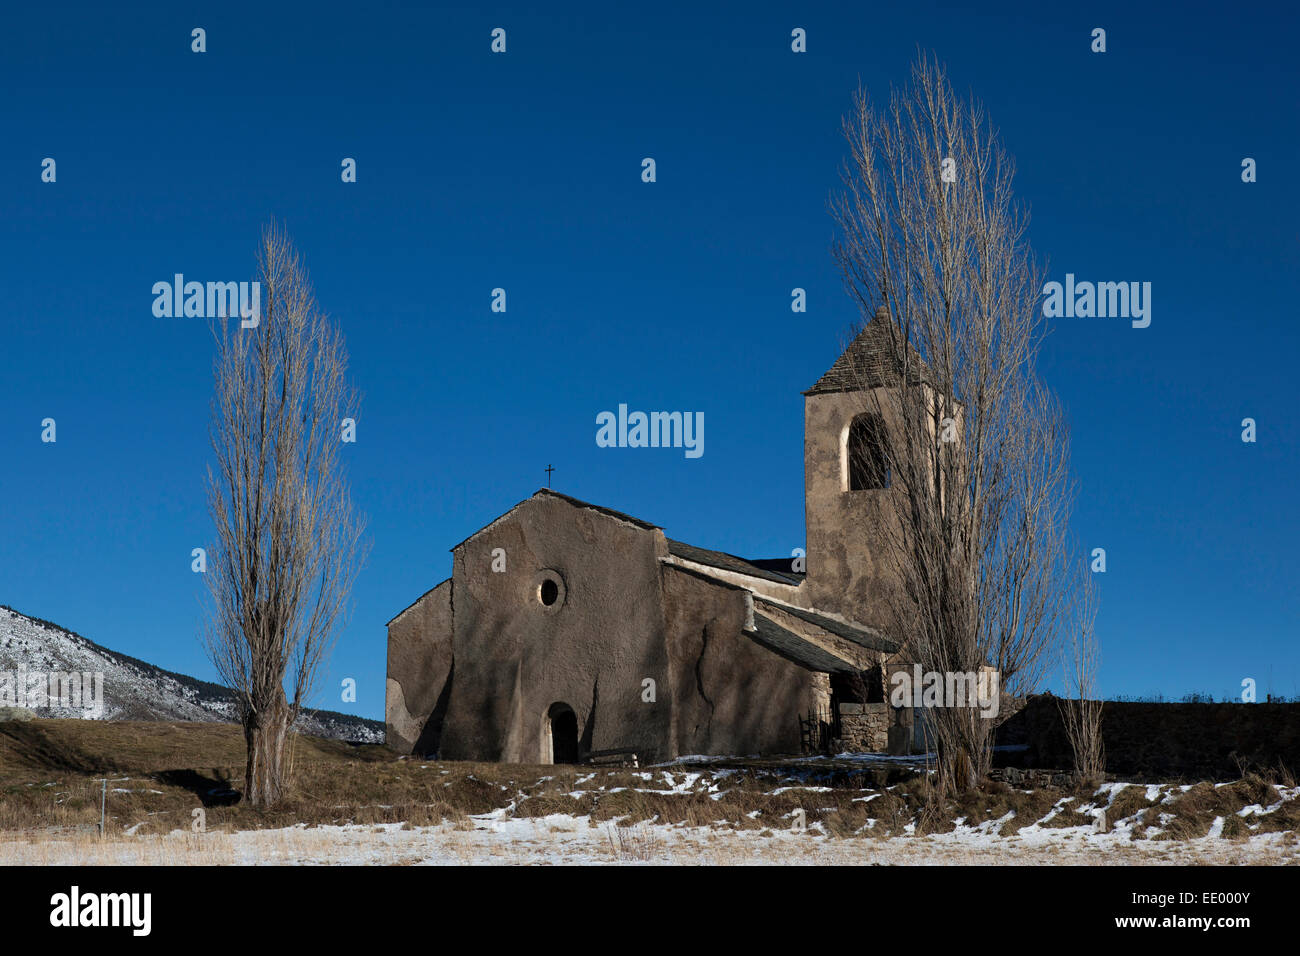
(933, 248)
(288, 541)
(1081, 706)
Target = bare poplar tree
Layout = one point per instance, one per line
(933, 249)
(288, 541)
(1082, 705)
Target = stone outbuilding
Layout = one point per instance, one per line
(569, 632)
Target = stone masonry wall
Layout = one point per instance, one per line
(864, 728)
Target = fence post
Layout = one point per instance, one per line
(103, 802)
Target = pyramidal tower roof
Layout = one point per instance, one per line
(871, 360)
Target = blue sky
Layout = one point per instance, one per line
(522, 171)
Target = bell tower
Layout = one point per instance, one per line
(849, 492)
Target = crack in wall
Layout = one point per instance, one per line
(699, 677)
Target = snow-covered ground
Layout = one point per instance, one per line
(494, 838)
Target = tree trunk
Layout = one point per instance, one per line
(264, 732)
(963, 749)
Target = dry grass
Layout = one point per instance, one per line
(635, 843)
(95, 747)
(1068, 816)
(1196, 809)
(1128, 802)
(160, 774)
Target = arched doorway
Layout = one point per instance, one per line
(562, 723)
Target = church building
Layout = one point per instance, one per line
(570, 633)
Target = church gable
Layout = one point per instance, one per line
(543, 495)
(557, 608)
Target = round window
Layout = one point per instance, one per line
(548, 590)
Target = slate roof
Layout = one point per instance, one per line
(870, 361)
(794, 648)
(864, 637)
(779, 565)
(728, 562)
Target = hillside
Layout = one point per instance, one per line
(137, 690)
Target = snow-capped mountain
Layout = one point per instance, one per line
(135, 690)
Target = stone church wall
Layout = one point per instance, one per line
(419, 665)
(729, 694)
